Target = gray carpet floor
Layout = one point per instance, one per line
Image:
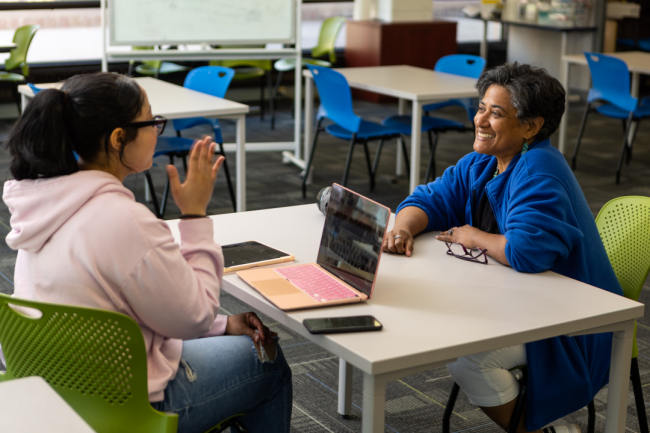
(416, 403)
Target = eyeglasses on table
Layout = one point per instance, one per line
(459, 251)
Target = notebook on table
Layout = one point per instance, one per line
(348, 258)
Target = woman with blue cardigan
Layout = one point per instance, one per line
(516, 197)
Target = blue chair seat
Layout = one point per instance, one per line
(403, 124)
(181, 124)
(166, 145)
(443, 104)
(367, 131)
(611, 110)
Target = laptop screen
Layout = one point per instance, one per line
(352, 238)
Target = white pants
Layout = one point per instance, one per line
(485, 378)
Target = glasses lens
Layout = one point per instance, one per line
(457, 249)
(160, 126)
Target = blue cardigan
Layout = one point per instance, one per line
(544, 215)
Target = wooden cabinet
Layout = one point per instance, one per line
(374, 43)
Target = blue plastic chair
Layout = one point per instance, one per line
(213, 80)
(611, 84)
(336, 105)
(458, 64)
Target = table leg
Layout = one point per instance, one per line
(241, 162)
(24, 100)
(564, 78)
(345, 387)
(374, 403)
(484, 45)
(619, 379)
(401, 110)
(309, 124)
(635, 92)
(416, 134)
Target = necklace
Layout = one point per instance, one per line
(523, 151)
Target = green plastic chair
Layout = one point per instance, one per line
(153, 68)
(329, 31)
(18, 59)
(95, 359)
(250, 69)
(624, 227)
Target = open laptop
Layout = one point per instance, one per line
(348, 258)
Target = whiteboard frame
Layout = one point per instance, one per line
(113, 42)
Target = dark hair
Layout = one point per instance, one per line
(533, 92)
(78, 118)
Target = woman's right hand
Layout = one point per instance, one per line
(399, 241)
(193, 195)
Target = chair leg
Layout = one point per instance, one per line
(582, 129)
(370, 172)
(521, 403)
(185, 164)
(271, 98)
(228, 180)
(178, 134)
(446, 418)
(275, 97)
(623, 150)
(14, 90)
(349, 160)
(262, 98)
(376, 163)
(311, 158)
(638, 396)
(628, 155)
(406, 156)
(591, 420)
(431, 168)
(163, 202)
(152, 192)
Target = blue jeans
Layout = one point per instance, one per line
(219, 377)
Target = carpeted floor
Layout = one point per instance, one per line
(416, 403)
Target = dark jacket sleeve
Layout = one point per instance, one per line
(445, 199)
(541, 223)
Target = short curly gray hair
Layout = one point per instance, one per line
(533, 92)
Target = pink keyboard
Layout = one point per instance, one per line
(316, 283)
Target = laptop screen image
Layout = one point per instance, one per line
(352, 238)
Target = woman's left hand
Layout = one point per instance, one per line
(247, 324)
(465, 235)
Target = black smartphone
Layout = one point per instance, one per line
(333, 325)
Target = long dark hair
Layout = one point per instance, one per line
(78, 118)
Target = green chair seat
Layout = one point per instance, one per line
(165, 68)
(10, 76)
(248, 73)
(289, 64)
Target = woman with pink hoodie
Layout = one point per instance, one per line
(83, 240)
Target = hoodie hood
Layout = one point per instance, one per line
(40, 207)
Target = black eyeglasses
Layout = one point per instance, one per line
(469, 254)
(159, 122)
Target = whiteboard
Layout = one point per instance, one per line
(161, 22)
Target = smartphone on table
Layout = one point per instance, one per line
(249, 254)
(333, 325)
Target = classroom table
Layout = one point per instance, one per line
(177, 102)
(7, 47)
(638, 62)
(434, 308)
(30, 404)
(407, 83)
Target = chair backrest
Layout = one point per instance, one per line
(610, 81)
(461, 64)
(329, 31)
(18, 57)
(335, 97)
(95, 359)
(624, 227)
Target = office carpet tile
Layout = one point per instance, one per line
(413, 404)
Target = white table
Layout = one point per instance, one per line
(176, 102)
(638, 63)
(407, 83)
(474, 308)
(30, 405)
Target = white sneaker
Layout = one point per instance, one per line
(570, 428)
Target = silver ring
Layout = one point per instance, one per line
(397, 236)
(451, 232)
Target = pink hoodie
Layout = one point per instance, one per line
(83, 240)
